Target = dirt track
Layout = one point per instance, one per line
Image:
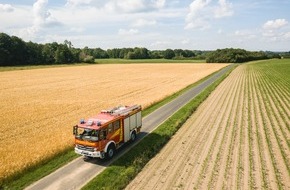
(237, 139)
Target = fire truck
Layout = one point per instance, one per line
(101, 135)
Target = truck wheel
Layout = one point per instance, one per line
(133, 136)
(110, 152)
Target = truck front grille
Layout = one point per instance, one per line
(87, 148)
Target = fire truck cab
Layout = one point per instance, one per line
(101, 135)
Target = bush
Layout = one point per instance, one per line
(89, 59)
(230, 55)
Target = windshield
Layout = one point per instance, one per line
(86, 134)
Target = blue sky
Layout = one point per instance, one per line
(154, 24)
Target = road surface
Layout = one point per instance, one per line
(77, 173)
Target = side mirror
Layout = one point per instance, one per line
(75, 129)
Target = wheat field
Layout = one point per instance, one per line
(40, 106)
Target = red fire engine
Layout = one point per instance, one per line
(101, 135)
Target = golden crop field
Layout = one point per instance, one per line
(40, 106)
(238, 138)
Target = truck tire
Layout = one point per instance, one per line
(133, 136)
(110, 152)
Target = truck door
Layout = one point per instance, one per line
(103, 138)
(116, 131)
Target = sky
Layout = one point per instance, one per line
(254, 25)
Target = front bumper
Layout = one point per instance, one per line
(95, 154)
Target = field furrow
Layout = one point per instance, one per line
(224, 156)
(268, 169)
(244, 175)
(280, 162)
(211, 126)
(170, 165)
(214, 154)
(255, 155)
(278, 124)
(280, 92)
(238, 138)
(234, 165)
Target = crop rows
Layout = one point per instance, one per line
(237, 139)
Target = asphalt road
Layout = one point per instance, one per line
(77, 173)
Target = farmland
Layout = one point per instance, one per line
(40, 106)
(239, 138)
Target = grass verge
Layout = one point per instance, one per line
(38, 171)
(43, 168)
(122, 171)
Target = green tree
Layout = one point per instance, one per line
(99, 53)
(34, 51)
(169, 54)
(63, 54)
(189, 53)
(5, 54)
(156, 54)
(231, 55)
(48, 52)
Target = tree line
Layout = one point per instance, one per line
(15, 51)
(231, 55)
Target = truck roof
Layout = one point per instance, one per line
(107, 116)
(97, 121)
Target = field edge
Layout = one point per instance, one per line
(122, 171)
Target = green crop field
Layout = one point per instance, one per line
(239, 138)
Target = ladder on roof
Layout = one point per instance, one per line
(125, 111)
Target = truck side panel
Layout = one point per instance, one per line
(127, 129)
(139, 119)
(133, 121)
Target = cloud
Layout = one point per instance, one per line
(28, 33)
(159, 3)
(42, 17)
(77, 29)
(272, 30)
(185, 41)
(202, 12)
(6, 8)
(224, 9)
(129, 32)
(143, 22)
(245, 34)
(287, 35)
(198, 23)
(160, 44)
(42, 22)
(74, 3)
(196, 7)
(275, 24)
(273, 36)
(196, 18)
(127, 6)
